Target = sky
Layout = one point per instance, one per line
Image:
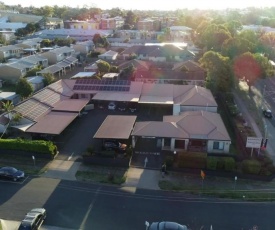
(147, 4)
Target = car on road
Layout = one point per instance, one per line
(33, 219)
(114, 145)
(165, 225)
(11, 173)
(112, 105)
(267, 113)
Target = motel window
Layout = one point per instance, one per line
(218, 145)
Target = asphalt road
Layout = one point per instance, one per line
(79, 205)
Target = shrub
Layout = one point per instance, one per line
(192, 160)
(129, 151)
(212, 163)
(91, 149)
(36, 146)
(251, 166)
(229, 163)
(169, 160)
(220, 163)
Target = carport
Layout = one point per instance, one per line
(53, 123)
(116, 127)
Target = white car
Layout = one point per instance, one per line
(112, 106)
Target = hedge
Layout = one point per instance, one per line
(38, 146)
(212, 163)
(221, 163)
(251, 166)
(192, 160)
(229, 163)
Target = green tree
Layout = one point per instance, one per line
(103, 66)
(266, 67)
(33, 71)
(219, 74)
(7, 107)
(24, 88)
(48, 79)
(213, 37)
(233, 27)
(100, 41)
(131, 18)
(47, 11)
(233, 47)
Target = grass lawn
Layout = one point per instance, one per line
(101, 174)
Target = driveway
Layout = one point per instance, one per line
(79, 134)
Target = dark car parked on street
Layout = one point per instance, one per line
(267, 113)
(11, 173)
(165, 225)
(33, 219)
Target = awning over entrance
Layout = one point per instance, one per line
(116, 127)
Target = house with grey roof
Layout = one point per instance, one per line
(59, 54)
(158, 53)
(83, 47)
(109, 55)
(177, 133)
(37, 60)
(10, 51)
(13, 72)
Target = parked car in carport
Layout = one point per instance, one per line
(112, 106)
(114, 145)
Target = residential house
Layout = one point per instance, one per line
(86, 25)
(149, 24)
(180, 33)
(109, 55)
(30, 43)
(83, 47)
(178, 133)
(158, 53)
(111, 23)
(37, 82)
(56, 55)
(37, 60)
(77, 34)
(9, 96)
(10, 51)
(13, 72)
(170, 52)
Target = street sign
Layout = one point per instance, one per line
(253, 142)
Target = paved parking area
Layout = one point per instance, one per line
(78, 136)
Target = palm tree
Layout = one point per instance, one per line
(7, 107)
